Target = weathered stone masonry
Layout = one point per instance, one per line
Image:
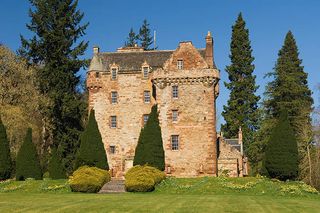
(119, 84)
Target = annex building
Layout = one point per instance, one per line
(124, 85)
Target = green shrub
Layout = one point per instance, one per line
(149, 149)
(91, 151)
(28, 164)
(143, 178)
(88, 179)
(56, 170)
(5, 159)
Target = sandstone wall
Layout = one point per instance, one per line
(129, 111)
(229, 161)
(195, 126)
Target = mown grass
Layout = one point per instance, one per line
(172, 195)
(243, 186)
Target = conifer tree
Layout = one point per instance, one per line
(281, 157)
(149, 149)
(92, 152)
(241, 109)
(131, 39)
(27, 163)
(145, 36)
(57, 28)
(289, 90)
(5, 158)
(55, 168)
(139, 151)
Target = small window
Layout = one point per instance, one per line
(114, 73)
(97, 75)
(175, 91)
(145, 119)
(112, 149)
(114, 97)
(174, 115)
(180, 64)
(175, 142)
(145, 72)
(113, 122)
(147, 96)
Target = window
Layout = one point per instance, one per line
(114, 73)
(113, 122)
(145, 72)
(174, 115)
(180, 64)
(175, 91)
(174, 142)
(114, 97)
(112, 149)
(145, 119)
(147, 96)
(97, 75)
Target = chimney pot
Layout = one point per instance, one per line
(96, 49)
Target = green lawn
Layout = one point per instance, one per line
(18, 202)
(173, 195)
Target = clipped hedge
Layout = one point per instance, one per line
(88, 179)
(143, 178)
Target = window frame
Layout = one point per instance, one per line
(175, 143)
(145, 120)
(114, 100)
(145, 71)
(112, 149)
(114, 73)
(146, 99)
(180, 64)
(175, 93)
(113, 123)
(175, 115)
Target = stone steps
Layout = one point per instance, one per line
(113, 186)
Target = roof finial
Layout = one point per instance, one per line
(209, 34)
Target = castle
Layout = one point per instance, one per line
(184, 83)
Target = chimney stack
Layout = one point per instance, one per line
(240, 140)
(96, 50)
(209, 50)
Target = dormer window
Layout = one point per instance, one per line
(145, 72)
(180, 64)
(114, 73)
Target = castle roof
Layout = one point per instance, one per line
(132, 61)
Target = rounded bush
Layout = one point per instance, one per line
(143, 178)
(88, 179)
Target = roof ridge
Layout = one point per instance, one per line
(149, 51)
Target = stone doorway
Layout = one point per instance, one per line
(128, 163)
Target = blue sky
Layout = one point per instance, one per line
(177, 20)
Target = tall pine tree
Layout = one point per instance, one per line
(145, 37)
(149, 149)
(241, 109)
(92, 152)
(131, 39)
(5, 158)
(289, 90)
(27, 163)
(281, 158)
(55, 47)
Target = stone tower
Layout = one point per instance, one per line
(124, 85)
